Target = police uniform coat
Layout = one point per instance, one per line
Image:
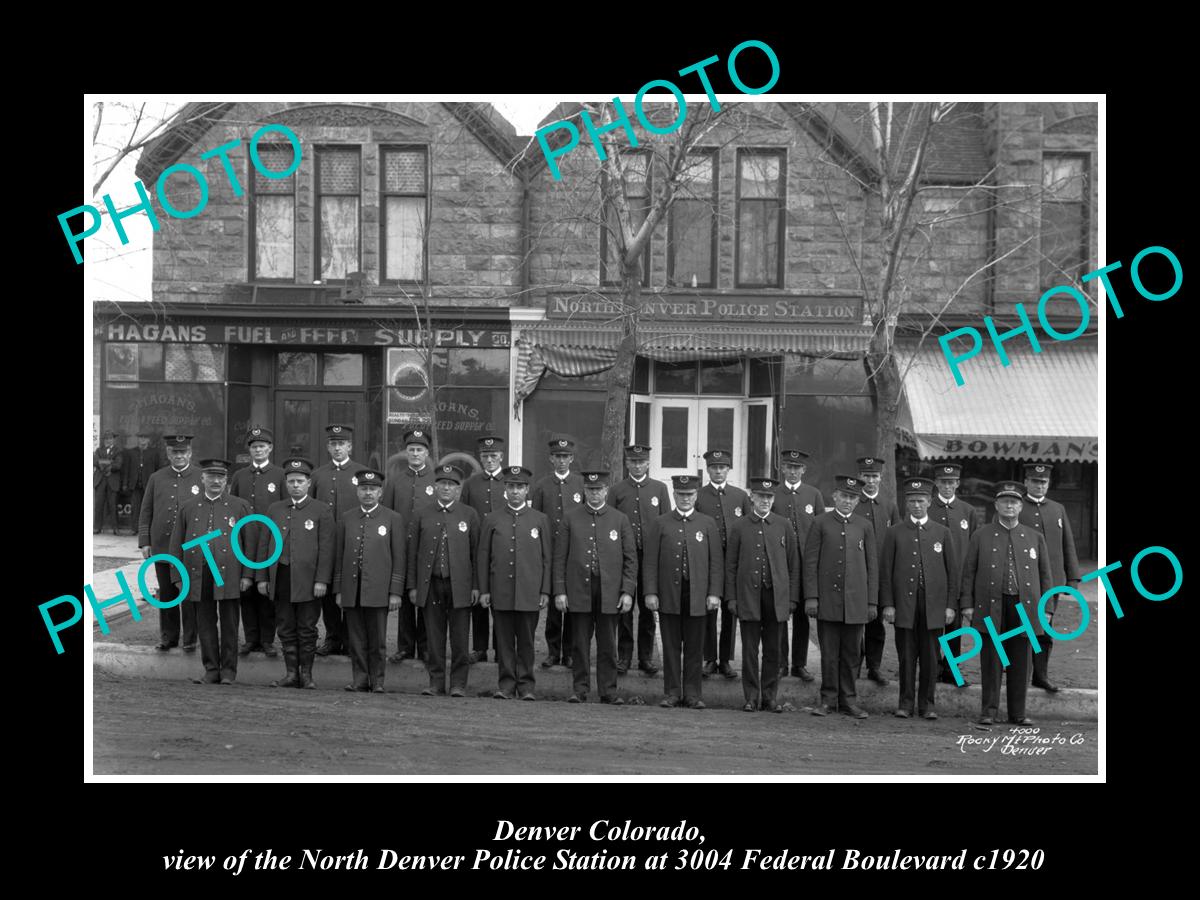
(799, 507)
(663, 551)
(462, 541)
(748, 541)
(408, 491)
(198, 517)
(336, 487)
(166, 491)
(1050, 518)
(111, 455)
(259, 487)
(898, 572)
(483, 493)
(381, 536)
(841, 567)
(983, 572)
(881, 518)
(515, 558)
(310, 535)
(617, 561)
(733, 500)
(556, 497)
(960, 517)
(642, 502)
(136, 468)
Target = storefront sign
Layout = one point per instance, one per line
(1051, 449)
(736, 308)
(317, 334)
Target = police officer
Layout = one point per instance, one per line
(918, 592)
(137, 465)
(642, 499)
(334, 485)
(514, 567)
(870, 473)
(841, 589)
(962, 519)
(725, 505)
(555, 495)
(166, 490)
(368, 578)
(106, 481)
(1051, 519)
(484, 492)
(409, 489)
(762, 585)
(595, 567)
(1007, 568)
(442, 544)
(799, 503)
(682, 575)
(217, 577)
(301, 576)
(261, 485)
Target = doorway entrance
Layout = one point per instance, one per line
(680, 429)
(301, 417)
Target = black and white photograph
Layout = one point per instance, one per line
(675, 435)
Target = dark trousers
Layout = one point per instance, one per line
(874, 640)
(410, 630)
(1019, 651)
(440, 613)
(955, 646)
(917, 646)
(168, 619)
(604, 627)
(725, 644)
(799, 642)
(258, 616)
(335, 626)
(761, 692)
(366, 640)
(1041, 661)
(135, 507)
(480, 627)
(219, 654)
(515, 633)
(558, 634)
(297, 621)
(682, 634)
(645, 629)
(841, 646)
(104, 506)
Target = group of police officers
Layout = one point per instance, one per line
(479, 557)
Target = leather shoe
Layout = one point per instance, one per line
(500, 695)
(457, 692)
(164, 646)
(289, 680)
(400, 656)
(1046, 685)
(771, 706)
(429, 692)
(1024, 720)
(362, 689)
(903, 714)
(669, 702)
(750, 707)
(622, 667)
(528, 697)
(204, 680)
(802, 673)
(855, 712)
(270, 649)
(189, 648)
(648, 667)
(246, 648)
(876, 676)
(327, 648)
(549, 663)
(930, 714)
(727, 670)
(378, 689)
(710, 668)
(226, 681)
(823, 710)
(478, 656)
(613, 701)
(696, 704)
(568, 662)
(577, 698)
(986, 720)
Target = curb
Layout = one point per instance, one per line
(409, 677)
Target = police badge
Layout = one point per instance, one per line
(700, 537)
(383, 531)
(1060, 521)
(271, 486)
(808, 508)
(195, 489)
(308, 524)
(533, 533)
(462, 526)
(354, 480)
(962, 524)
(1033, 552)
(429, 490)
(232, 521)
(737, 511)
(861, 546)
(937, 546)
(654, 502)
(577, 498)
(612, 535)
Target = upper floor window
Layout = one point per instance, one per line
(1064, 218)
(692, 230)
(404, 199)
(339, 199)
(273, 218)
(762, 176)
(637, 195)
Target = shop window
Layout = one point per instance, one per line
(296, 369)
(809, 375)
(1064, 218)
(342, 369)
(766, 377)
(195, 362)
(692, 229)
(722, 377)
(762, 175)
(638, 198)
(641, 375)
(404, 205)
(273, 218)
(339, 196)
(675, 378)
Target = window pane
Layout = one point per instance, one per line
(478, 367)
(641, 375)
(195, 362)
(758, 439)
(1062, 241)
(635, 166)
(404, 238)
(675, 378)
(404, 171)
(758, 235)
(343, 368)
(274, 236)
(274, 159)
(641, 423)
(766, 377)
(121, 363)
(1063, 176)
(806, 375)
(720, 430)
(721, 377)
(691, 248)
(697, 177)
(759, 175)
(297, 368)
(674, 438)
(339, 236)
(339, 171)
(296, 436)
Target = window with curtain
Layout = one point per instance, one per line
(404, 201)
(691, 232)
(637, 195)
(339, 196)
(273, 210)
(762, 175)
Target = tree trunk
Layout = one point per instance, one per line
(887, 387)
(620, 376)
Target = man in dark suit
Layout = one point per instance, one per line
(261, 485)
(334, 485)
(555, 495)
(137, 465)
(443, 540)
(595, 566)
(1007, 568)
(871, 507)
(918, 592)
(106, 482)
(682, 574)
(368, 578)
(725, 505)
(217, 577)
(799, 503)
(514, 567)
(762, 585)
(302, 574)
(841, 589)
(484, 493)
(962, 519)
(168, 489)
(409, 490)
(1051, 519)
(643, 500)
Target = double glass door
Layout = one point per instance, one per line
(301, 417)
(680, 429)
